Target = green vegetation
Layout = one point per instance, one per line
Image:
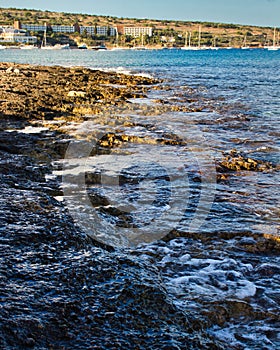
(166, 32)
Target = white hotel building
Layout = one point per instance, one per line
(90, 30)
(98, 30)
(54, 28)
(33, 27)
(63, 29)
(11, 35)
(138, 31)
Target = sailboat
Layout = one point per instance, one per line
(244, 45)
(45, 46)
(140, 47)
(274, 47)
(188, 42)
(117, 47)
(213, 47)
(189, 46)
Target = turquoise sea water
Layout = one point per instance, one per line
(238, 92)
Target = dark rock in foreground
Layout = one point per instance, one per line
(59, 289)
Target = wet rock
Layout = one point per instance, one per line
(268, 269)
(59, 288)
(235, 161)
(50, 92)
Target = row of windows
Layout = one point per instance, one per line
(98, 30)
(63, 29)
(16, 38)
(137, 31)
(71, 29)
(33, 27)
(91, 30)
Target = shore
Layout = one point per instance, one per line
(59, 288)
(33, 92)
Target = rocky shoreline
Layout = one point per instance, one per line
(29, 92)
(59, 288)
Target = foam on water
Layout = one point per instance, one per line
(230, 281)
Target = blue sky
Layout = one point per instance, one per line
(256, 12)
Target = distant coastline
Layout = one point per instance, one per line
(110, 31)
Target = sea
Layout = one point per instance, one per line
(223, 257)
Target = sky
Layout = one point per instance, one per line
(253, 12)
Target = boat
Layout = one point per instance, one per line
(82, 46)
(99, 48)
(117, 47)
(28, 47)
(189, 46)
(274, 47)
(138, 48)
(56, 47)
(213, 47)
(187, 42)
(45, 46)
(62, 47)
(2, 47)
(244, 45)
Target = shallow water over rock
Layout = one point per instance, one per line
(208, 280)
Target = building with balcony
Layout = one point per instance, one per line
(98, 30)
(63, 29)
(32, 27)
(138, 31)
(11, 35)
(41, 27)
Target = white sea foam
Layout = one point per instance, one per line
(123, 70)
(207, 277)
(32, 130)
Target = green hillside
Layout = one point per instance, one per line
(166, 33)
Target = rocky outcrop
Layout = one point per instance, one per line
(235, 161)
(59, 288)
(50, 92)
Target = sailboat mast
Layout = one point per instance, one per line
(45, 36)
(199, 36)
(186, 38)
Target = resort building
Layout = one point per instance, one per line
(32, 27)
(138, 31)
(98, 30)
(88, 30)
(41, 27)
(63, 29)
(11, 35)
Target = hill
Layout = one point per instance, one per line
(166, 32)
